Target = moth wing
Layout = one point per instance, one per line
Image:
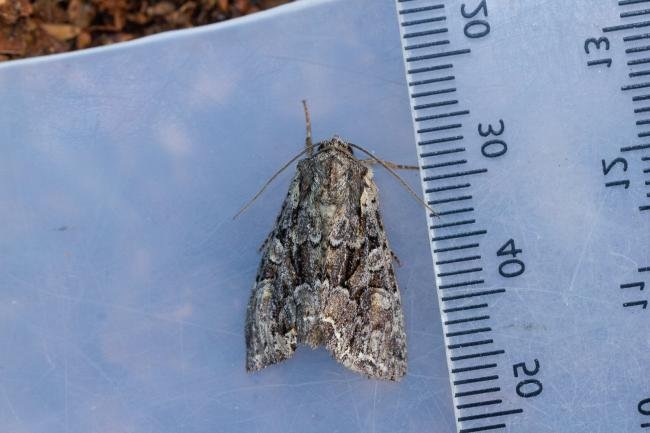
(377, 344)
(271, 313)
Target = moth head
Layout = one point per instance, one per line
(335, 143)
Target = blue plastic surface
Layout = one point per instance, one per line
(124, 279)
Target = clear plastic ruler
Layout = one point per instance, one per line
(532, 124)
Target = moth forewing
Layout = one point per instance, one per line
(326, 276)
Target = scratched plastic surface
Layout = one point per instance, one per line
(577, 315)
(124, 279)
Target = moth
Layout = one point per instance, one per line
(326, 277)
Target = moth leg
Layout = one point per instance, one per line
(397, 260)
(308, 143)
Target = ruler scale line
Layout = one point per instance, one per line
(636, 37)
(461, 284)
(465, 308)
(468, 332)
(635, 13)
(427, 44)
(454, 211)
(478, 404)
(476, 380)
(482, 429)
(438, 55)
(421, 9)
(442, 152)
(456, 248)
(440, 140)
(441, 116)
(471, 343)
(467, 320)
(433, 92)
(633, 148)
(626, 26)
(490, 415)
(461, 259)
(477, 392)
(432, 80)
(425, 33)
(440, 128)
(477, 355)
(453, 224)
(472, 295)
(472, 368)
(457, 174)
(423, 21)
(637, 49)
(444, 164)
(635, 86)
(449, 200)
(433, 68)
(631, 2)
(459, 235)
(446, 188)
(436, 104)
(638, 61)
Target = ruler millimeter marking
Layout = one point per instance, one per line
(442, 182)
(504, 327)
(639, 56)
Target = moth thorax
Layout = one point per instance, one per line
(335, 143)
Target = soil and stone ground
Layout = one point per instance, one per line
(38, 27)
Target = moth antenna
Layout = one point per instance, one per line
(268, 182)
(396, 176)
(308, 143)
(395, 166)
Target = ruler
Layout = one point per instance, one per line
(532, 125)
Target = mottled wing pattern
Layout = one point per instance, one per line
(270, 318)
(326, 276)
(378, 344)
